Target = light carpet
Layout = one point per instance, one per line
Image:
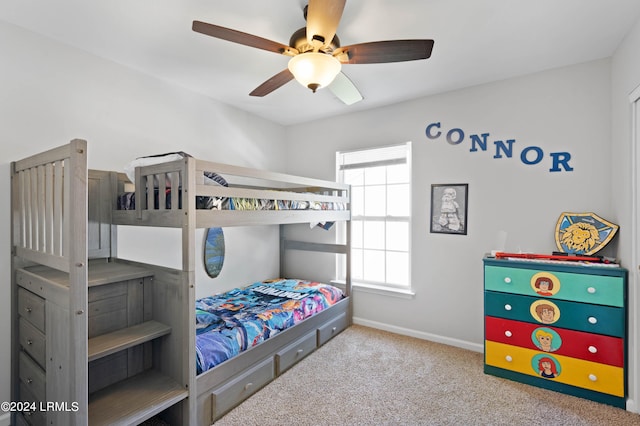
(365, 376)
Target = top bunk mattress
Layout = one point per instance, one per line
(229, 323)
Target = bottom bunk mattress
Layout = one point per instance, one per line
(229, 323)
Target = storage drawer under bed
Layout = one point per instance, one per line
(227, 396)
(295, 352)
(332, 328)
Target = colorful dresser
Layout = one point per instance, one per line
(558, 326)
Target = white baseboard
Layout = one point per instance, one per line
(5, 419)
(420, 335)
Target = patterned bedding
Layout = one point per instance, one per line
(127, 201)
(229, 323)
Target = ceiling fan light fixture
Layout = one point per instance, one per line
(314, 70)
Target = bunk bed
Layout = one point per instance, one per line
(105, 340)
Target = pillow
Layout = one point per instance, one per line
(211, 178)
(130, 169)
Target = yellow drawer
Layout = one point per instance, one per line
(571, 371)
(31, 307)
(32, 377)
(33, 341)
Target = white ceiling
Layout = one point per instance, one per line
(476, 41)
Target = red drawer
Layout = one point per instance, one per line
(575, 344)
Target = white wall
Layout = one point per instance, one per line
(566, 109)
(625, 71)
(51, 94)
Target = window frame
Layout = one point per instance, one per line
(384, 287)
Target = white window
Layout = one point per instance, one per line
(380, 180)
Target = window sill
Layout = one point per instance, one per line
(378, 289)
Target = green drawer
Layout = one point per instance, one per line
(579, 287)
(598, 319)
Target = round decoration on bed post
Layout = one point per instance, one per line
(214, 251)
(214, 246)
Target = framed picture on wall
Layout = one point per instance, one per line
(449, 208)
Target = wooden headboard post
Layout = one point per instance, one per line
(78, 277)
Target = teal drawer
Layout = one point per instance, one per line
(598, 319)
(579, 287)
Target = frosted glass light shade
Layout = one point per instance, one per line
(314, 70)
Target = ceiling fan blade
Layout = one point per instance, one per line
(344, 89)
(379, 52)
(242, 38)
(323, 17)
(275, 82)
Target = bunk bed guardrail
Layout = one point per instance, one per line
(158, 186)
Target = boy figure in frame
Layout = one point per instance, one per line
(449, 210)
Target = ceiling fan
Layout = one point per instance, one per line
(316, 54)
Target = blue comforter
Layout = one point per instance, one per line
(229, 323)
